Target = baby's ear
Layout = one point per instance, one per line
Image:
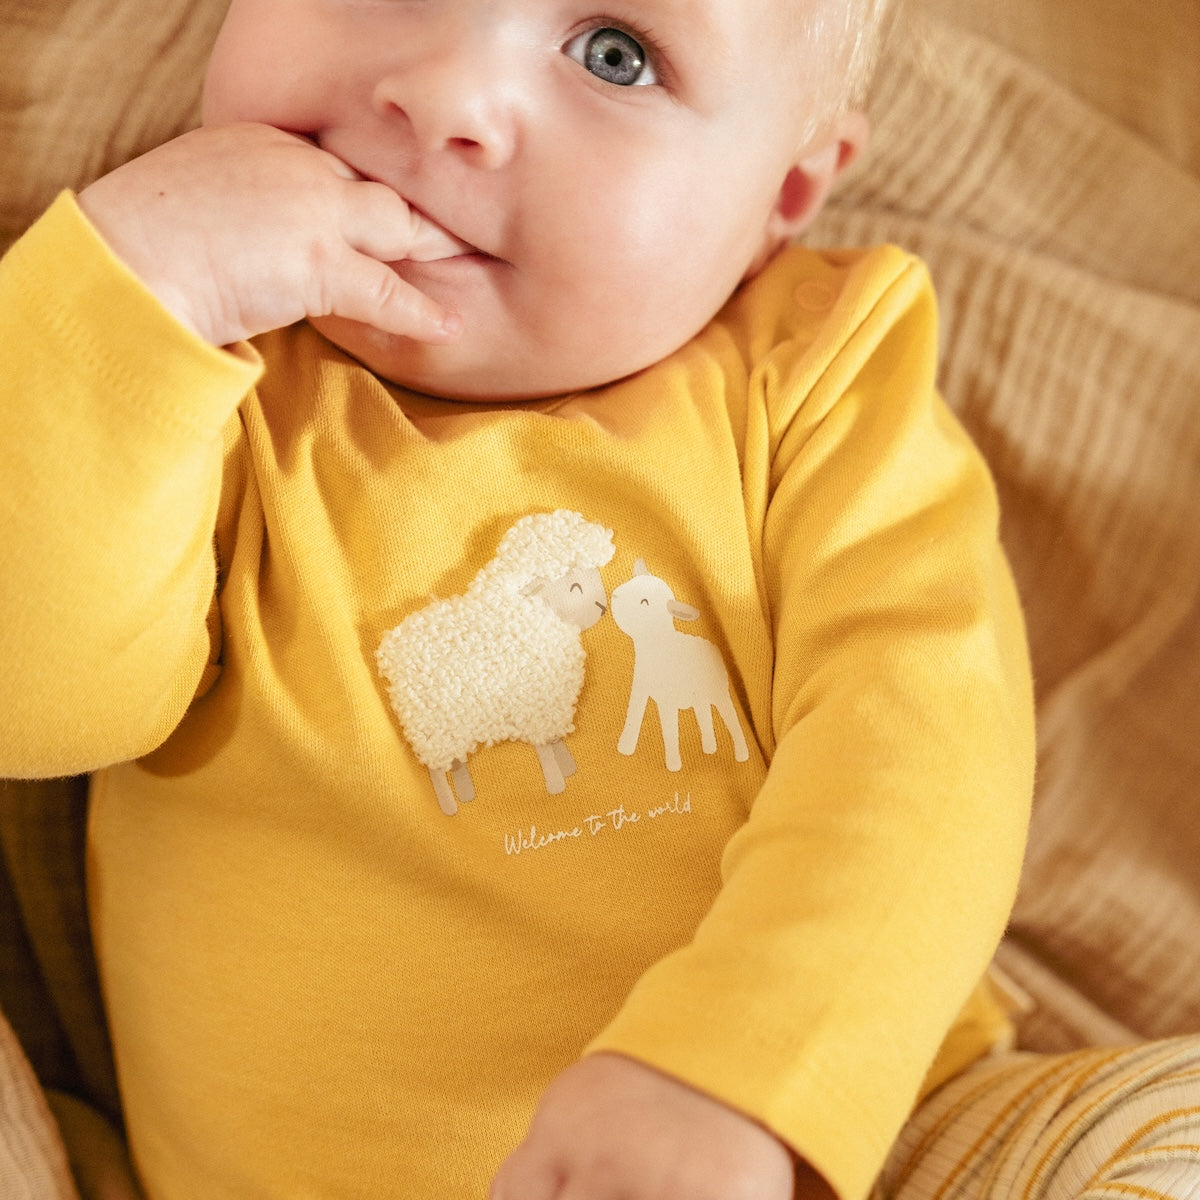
(808, 183)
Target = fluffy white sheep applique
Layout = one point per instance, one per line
(504, 661)
(676, 670)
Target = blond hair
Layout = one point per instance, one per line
(849, 35)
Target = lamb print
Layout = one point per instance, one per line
(676, 670)
(504, 661)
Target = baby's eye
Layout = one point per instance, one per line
(612, 55)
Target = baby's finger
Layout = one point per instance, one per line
(525, 1176)
(376, 221)
(380, 223)
(371, 292)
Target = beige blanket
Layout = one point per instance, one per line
(1046, 161)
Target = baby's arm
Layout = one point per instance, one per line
(611, 1127)
(241, 229)
(866, 892)
(113, 413)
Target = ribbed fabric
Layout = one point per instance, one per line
(1094, 1125)
(33, 1164)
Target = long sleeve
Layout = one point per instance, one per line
(111, 445)
(862, 900)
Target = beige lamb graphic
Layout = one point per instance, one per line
(504, 661)
(676, 670)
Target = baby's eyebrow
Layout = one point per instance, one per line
(693, 17)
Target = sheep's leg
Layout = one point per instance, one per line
(566, 760)
(464, 785)
(708, 733)
(725, 707)
(668, 720)
(445, 796)
(551, 771)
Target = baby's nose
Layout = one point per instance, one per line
(455, 94)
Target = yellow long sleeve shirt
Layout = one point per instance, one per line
(340, 964)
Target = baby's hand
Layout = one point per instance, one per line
(609, 1128)
(239, 229)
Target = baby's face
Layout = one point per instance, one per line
(610, 177)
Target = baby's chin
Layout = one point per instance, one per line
(410, 364)
(456, 371)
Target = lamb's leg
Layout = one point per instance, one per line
(668, 720)
(566, 760)
(633, 722)
(445, 796)
(708, 733)
(725, 707)
(464, 785)
(551, 771)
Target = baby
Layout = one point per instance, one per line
(419, 864)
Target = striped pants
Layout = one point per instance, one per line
(1096, 1124)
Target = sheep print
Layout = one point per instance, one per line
(505, 660)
